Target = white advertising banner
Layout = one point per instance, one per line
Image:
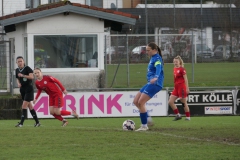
(218, 110)
(103, 104)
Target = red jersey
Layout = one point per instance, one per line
(50, 85)
(178, 75)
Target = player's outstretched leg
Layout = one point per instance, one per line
(64, 123)
(68, 113)
(18, 125)
(149, 120)
(177, 117)
(74, 113)
(144, 126)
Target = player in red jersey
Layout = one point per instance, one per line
(54, 88)
(181, 89)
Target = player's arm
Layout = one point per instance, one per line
(38, 94)
(30, 76)
(158, 66)
(18, 83)
(54, 80)
(186, 82)
(30, 73)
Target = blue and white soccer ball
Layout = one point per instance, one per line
(128, 125)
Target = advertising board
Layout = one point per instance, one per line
(200, 103)
(103, 104)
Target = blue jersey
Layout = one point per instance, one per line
(155, 69)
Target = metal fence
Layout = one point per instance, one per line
(126, 54)
(5, 75)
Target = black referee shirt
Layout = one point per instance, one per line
(26, 70)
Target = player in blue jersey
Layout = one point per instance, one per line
(155, 77)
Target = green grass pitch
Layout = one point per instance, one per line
(212, 137)
(203, 75)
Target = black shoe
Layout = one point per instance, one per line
(178, 117)
(18, 125)
(37, 125)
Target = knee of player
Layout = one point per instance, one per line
(170, 102)
(141, 103)
(52, 113)
(135, 103)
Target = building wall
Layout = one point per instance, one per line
(18, 35)
(72, 23)
(72, 78)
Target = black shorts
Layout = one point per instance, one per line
(27, 93)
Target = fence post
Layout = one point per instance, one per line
(192, 59)
(235, 92)
(127, 61)
(105, 55)
(167, 97)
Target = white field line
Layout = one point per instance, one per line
(166, 134)
(195, 139)
(169, 135)
(147, 132)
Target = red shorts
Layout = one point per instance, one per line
(56, 100)
(180, 90)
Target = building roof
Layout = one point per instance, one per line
(67, 7)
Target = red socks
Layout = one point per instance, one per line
(187, 114)
(176, 111)
(59, 117)
(65, 113)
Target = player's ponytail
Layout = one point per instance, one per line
(180, 60)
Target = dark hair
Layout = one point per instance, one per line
(38, 69)
(153, 46)
(18, 57)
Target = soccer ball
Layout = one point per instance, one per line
(128, 125)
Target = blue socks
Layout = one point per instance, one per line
(143, 117)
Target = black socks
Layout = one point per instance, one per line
(34, 115)
(24, 114)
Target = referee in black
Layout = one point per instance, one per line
(24, 75)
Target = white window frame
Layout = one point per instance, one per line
(100, 47)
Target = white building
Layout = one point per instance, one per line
(65, 40)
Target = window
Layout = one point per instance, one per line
(96, 3)
(32, 3)
(65, 51)
(53, 1)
